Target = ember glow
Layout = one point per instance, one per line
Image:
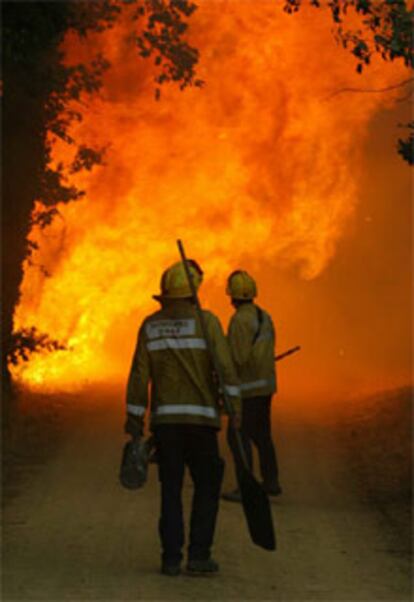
(261, 164)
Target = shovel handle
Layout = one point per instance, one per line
(228, 406)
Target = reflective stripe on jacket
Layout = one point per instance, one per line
(252, 345)
(171, 361)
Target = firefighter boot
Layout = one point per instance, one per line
(232, 496)
(272, 490)
(203, 567)
(170, 569)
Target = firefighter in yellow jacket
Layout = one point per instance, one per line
(171, 360)
(252, 340)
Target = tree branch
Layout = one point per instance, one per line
(370, 90)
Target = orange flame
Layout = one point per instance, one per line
(261, 163)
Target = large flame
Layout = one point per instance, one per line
(262, 162)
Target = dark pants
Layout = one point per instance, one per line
(181, 445)
(256, 427)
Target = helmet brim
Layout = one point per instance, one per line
(170, 297)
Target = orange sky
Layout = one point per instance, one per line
(261, 170)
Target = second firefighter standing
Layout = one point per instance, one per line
(252, 340)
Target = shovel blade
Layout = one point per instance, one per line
(257, 511)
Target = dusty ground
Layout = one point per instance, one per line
(72, 533)
(378, 435)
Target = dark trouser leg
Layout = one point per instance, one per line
(261, 433)
(206, 468)
(171, 473)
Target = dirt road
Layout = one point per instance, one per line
(72, 533)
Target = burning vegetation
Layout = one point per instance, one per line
(259, 158)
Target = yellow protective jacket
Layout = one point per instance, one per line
(171, 366)
(252, 340)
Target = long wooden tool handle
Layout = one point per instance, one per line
(286, 353)
(227, 403)
(217, 368)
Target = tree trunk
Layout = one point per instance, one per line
(23, 162)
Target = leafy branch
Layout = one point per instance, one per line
(406, 146)
(162, 38)
(29, 340)
(389, 21)
(391, 25)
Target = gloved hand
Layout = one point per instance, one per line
(133, 426)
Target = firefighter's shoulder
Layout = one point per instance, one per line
(212, 321)
(209, 315)
(156, 315)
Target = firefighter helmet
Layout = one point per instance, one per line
(174, 283)
(241, 286)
